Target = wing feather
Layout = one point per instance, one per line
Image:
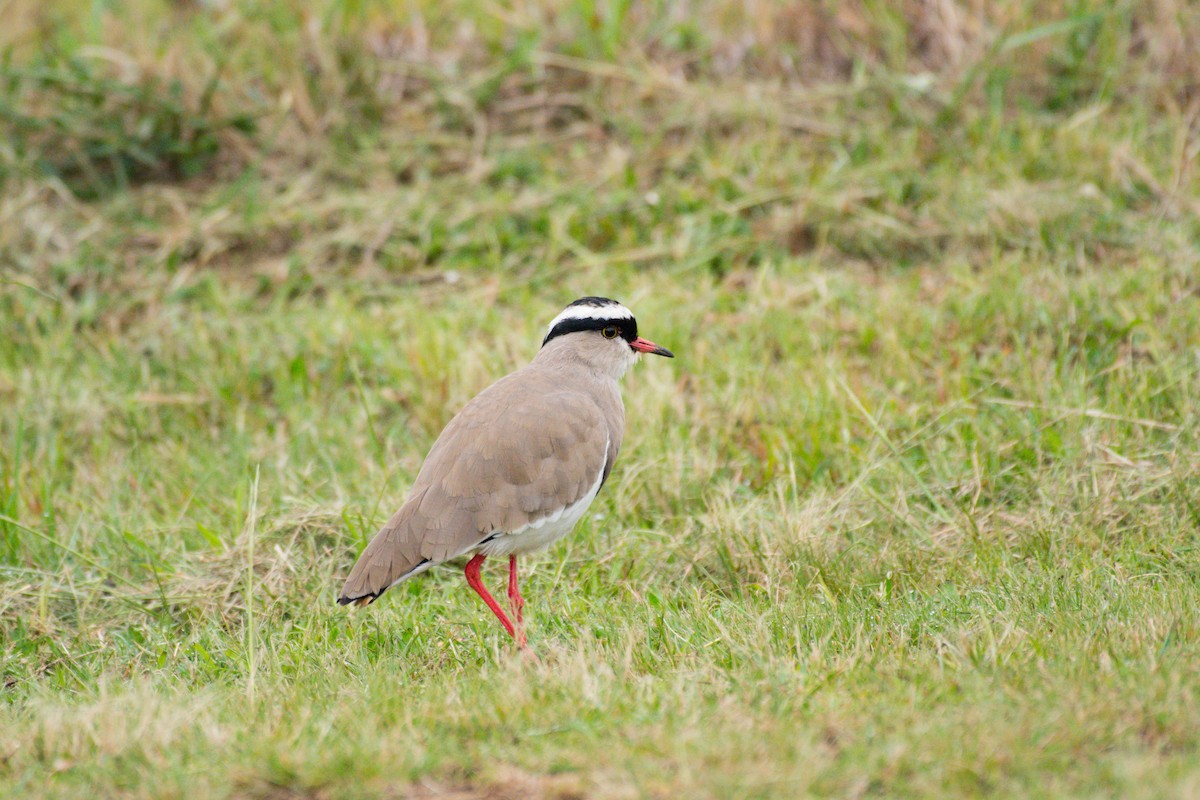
(520, 451)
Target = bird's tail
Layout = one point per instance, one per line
(391, 557)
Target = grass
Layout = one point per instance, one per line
(913, 513)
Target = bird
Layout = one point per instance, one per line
(518, 466)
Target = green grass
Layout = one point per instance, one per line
(913, 513)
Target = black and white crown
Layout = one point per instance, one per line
(593, 314)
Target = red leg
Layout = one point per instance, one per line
(472, 572)
(514, 597)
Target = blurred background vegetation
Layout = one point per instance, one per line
(831, 124)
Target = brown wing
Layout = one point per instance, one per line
(522, 449)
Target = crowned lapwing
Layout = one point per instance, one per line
(519, 465)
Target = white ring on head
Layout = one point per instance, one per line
(606, 311)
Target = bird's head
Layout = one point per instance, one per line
(602, 333)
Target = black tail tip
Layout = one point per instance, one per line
(364, 600)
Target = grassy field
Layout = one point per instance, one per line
(914, 511)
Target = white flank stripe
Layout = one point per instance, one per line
(548, 529)
(417, 570)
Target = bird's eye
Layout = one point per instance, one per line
(610, 332)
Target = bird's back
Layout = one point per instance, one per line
(529, 445)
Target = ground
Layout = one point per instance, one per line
(913, 512)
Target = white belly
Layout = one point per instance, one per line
(544, 531)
